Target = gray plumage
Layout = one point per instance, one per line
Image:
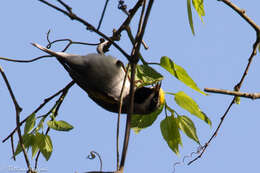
(102, 78)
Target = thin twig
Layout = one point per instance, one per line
(68, 8)
(18, 110)
(215, 133)
(92, 156)
(130, 16)
(122, 6)
(130, 35)
(140, 23)
(141, 18)
(126, 26)
(70, 42)
(24, 61)
(118, 118)
(12, 145)
(242, 13)
(153, 63)
(127, 21)
(102, 15)
(139, 36)
(145, 45)
(234, 93)
(238, 86)
(128, 119)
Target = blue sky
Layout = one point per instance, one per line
(215, 57)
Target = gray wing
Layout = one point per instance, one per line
(93, 72)
(99, 73)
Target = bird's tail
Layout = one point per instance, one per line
(56, 54)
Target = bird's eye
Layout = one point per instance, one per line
(155, 99)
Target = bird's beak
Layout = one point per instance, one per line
(158, 86)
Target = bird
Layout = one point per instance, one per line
(102, 77)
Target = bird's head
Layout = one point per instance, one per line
(148, 99)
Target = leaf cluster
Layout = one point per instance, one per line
(34, 137)
(173, 123)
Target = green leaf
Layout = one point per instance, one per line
(259, 48)
(45, 145)
(59, 125)
(171, 134)
(35, 149)
(40, 124)
(187, 103)
(178, 72)
(190, 16)
(29, 124)
(147, 75)
(139, 122)
(187, 126)
(27, 141)
(198, 5)
(37, 141)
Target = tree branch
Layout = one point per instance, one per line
(234, 93)
(18, 110)
(242, 13)
(117, 33)
(73, 16)
(238, 86)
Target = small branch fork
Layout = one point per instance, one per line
(242, 13)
